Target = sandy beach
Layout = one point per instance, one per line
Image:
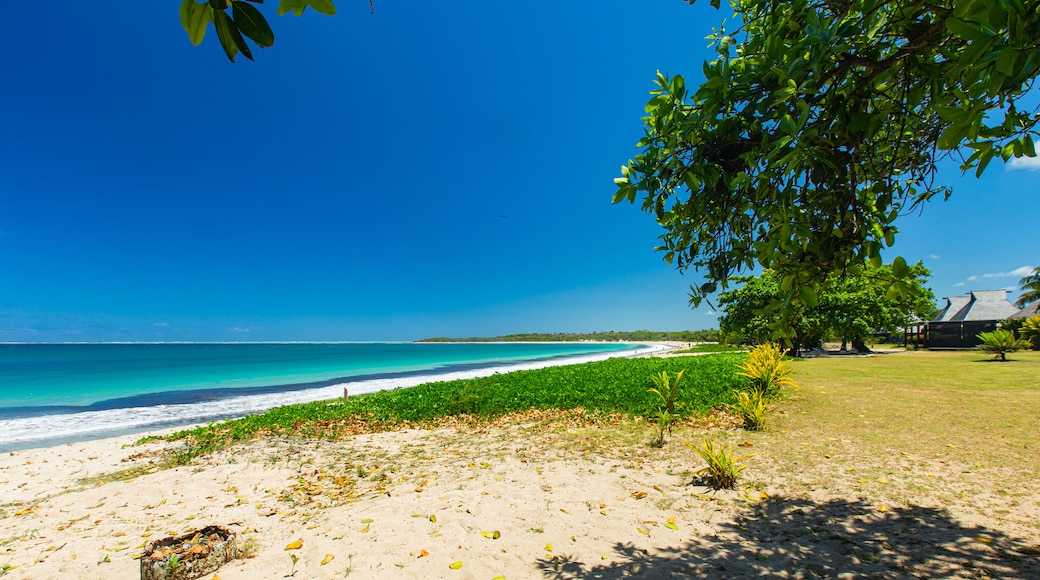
(518, 498)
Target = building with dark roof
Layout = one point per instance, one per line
(963, 318)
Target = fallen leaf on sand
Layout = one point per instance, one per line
(423, 553)
(455, 565)
(328, 558)
(639, 495)
(295, 545)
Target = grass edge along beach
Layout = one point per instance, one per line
(909, 464)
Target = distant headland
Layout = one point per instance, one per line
(705, 335)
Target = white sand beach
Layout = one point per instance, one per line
(512, 499)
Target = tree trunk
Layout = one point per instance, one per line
(858, 344)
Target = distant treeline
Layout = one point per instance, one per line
(706, 335)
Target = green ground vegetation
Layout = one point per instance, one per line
(617, 386)
(711, 347)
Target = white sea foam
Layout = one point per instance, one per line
(43, 431)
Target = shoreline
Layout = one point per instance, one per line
(568, 500)
(33, 432)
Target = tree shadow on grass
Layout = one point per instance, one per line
(796, 538)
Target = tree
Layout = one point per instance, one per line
(236, 20)
(1030, 289)
(850, 308)
(822, 121)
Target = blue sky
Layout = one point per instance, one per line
(430, 170)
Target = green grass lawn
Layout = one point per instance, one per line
(952, 429)
(925, 401)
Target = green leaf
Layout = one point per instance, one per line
(808, 296)
(691, 181)
(966, 30)
(197, 17)
(1028, 148)
(222, 22)
(899, 268)
(252, 24)
(952, 135)
(323, 6)
(286, 6)
(240, 42)
(1006, 61)
(187, 8)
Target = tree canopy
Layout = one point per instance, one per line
(849, 309)
(1030, 289)
(820, 122)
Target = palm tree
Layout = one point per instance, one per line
(1030, 289)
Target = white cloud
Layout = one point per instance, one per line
(934, 257)
(1026, 163)
(1016, 273)
(161, 324)
(958, 284)
(709, 313)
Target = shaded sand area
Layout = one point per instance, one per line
(567, 499)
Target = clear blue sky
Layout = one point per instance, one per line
(433, 169)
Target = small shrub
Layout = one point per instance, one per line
(1030, 330)
(723, 469)
(1000, 342)
(751, 407)
(767, 369)
(666, 388)
(663, 421)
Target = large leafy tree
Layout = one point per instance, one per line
(819, 122)
(1030, 289)
(850, 308)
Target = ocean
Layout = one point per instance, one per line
(59, 393)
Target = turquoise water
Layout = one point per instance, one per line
(78, 375)
(54, 393)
